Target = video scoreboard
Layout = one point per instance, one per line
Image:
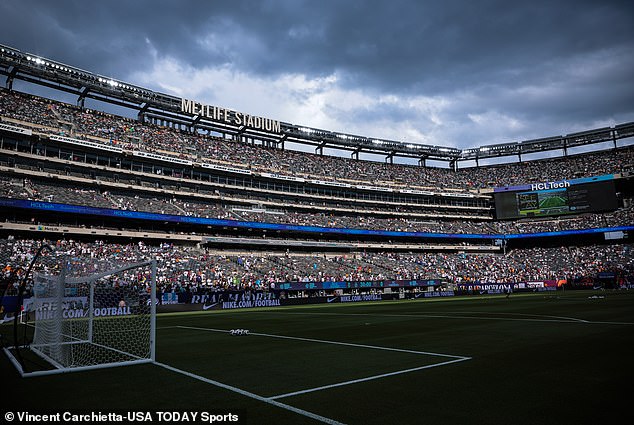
(594, 194)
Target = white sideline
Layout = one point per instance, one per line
(252, 395)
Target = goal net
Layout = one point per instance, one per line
(93, 315)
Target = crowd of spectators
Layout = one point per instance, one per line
(182, 268)
(59, 118)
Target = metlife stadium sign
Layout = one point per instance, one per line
(228, 116)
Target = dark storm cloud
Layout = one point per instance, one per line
(554, 62)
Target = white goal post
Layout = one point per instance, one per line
(104, 319)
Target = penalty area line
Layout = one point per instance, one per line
(347, 344)
(369, 378)
(455, 359)
(251, 395)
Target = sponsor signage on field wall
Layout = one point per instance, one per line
(229, 300)
(216, 300)
(77, 307)
(72, 308)
(499, 288)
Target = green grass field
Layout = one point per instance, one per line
(553, 202)
(538, 358)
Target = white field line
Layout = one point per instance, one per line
(526, 315)
(369, 378)
(353, 381)
(252, 395)
(321, 341)
(446, 316)
(549, 319)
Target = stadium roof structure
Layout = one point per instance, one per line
(15, 64)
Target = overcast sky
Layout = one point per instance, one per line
(455, 73)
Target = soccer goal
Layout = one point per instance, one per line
(85, 318)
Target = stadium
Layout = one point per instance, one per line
(241, 265)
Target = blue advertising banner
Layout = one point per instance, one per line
(138, 215)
